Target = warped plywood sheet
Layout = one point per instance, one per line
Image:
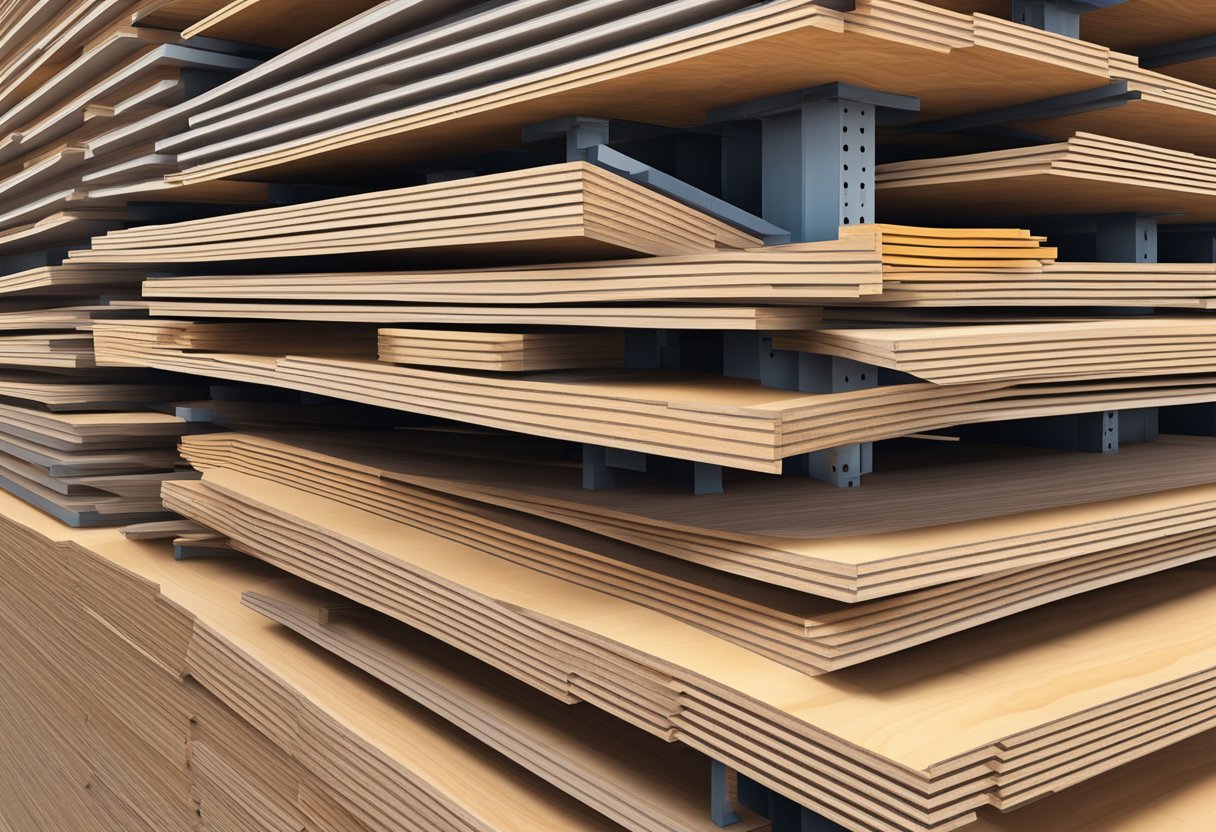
(551, 212)
(892, 46)
(459, 52)
(855, 766)
(503, 352)
(1087, 174)
(807, 633)
(837, 269)
(746, 318)
(1016, 351)
(699, 417)
(948, 514)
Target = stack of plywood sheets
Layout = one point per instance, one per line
(88, 469)
(546, 213)
(1087, 174)
(825, 747)
(1169, 285)
(502, 352)
(695, 416)
(76, 89)
(892, 45)
(797, 628)
(142, 695)
(1021, 351)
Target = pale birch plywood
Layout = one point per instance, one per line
(937, 747)
(1015, 351)
(1086, 174)
(804, 632)
(503, 352)
(547, 213)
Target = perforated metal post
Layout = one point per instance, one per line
(721, 812)
(842, 466)
(1127, 238)
(818, 155)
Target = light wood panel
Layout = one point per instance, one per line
(503, 352)
(812, 718)
(1021, 351)
(1087, 174)
(547, 213)
(804, 632)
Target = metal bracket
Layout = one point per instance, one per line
(581, 132)
(679, 190)
(818, 151)
(1127, 238)
(587, 140)
(1080, 432)
(652, 349)
(1062, 17)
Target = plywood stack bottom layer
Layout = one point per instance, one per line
(141, 696)
(919, 741)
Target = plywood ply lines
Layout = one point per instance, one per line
(802, 631)
(542, 213)
(503, 352)
(908, 772)
(1015, 352)
(1085, 175)
(735, 422)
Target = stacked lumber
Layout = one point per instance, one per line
(502, 352)
(414, 416)
(1016, 352)
(405, 477)
(472, 108)
(546, 213)
(932, 775)
(1087, 174)
(687, 415)
(146, 679)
